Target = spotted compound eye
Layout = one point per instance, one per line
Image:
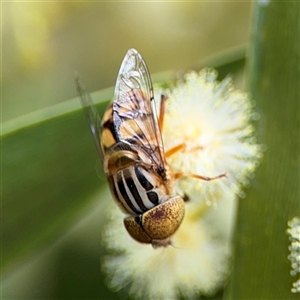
(158, 224)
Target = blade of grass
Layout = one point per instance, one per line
(261, 269)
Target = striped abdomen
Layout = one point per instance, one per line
(136, 189)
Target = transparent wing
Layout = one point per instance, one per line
(134, 111)
(90, 111)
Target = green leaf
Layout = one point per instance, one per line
(261, 268)
(47, 158)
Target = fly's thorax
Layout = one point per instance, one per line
(108, 136)
(107, 117)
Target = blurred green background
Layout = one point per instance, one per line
(45, 43)
(51, 196)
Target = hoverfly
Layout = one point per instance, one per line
(128, 139)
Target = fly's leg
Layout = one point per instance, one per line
(175, 149)
(206, 178)
(181, 147)
(163, 99)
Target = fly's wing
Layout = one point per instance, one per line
(90, 111)
(134, 111)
